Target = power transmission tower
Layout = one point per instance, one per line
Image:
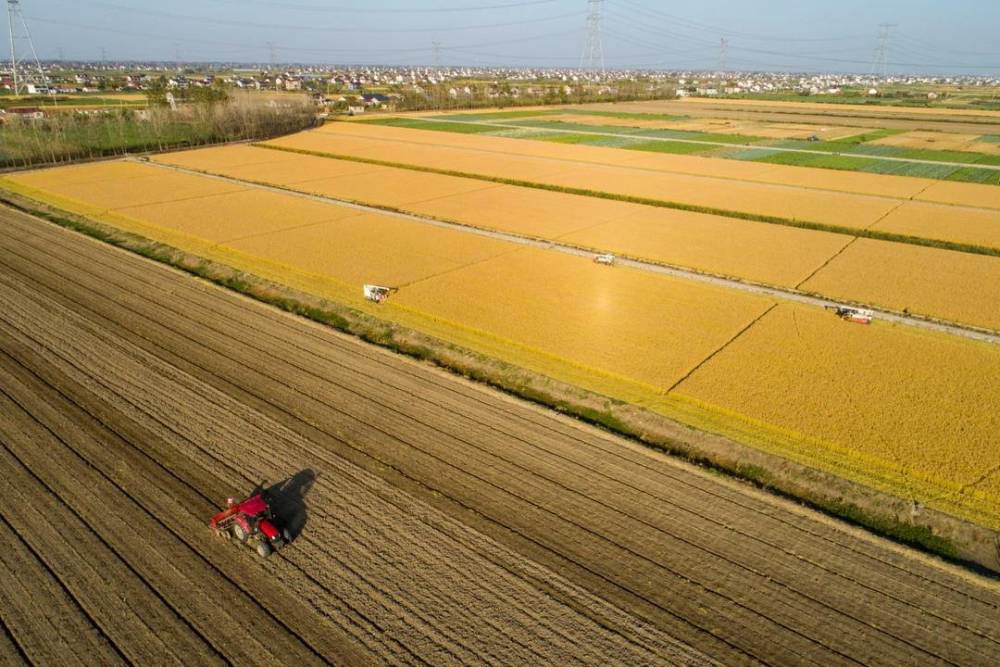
(723, 54)
(20, 37)
(271, 54)
(437, 54)
(592, 59)
(880, 64)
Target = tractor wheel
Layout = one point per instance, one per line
(239, 533)
(264, 549)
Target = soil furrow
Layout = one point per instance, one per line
(873, 580)
(166, 563)
(127, 609)
(29, 591)
(296, 423)
(796, 614)
(535, 495)
(186, 420)
(650, 537)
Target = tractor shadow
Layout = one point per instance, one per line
(287, 501)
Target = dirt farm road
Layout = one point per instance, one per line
(438, 522)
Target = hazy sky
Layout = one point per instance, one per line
(931, 36)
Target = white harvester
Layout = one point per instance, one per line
(378, 293)
(856, 315)
(607, 259)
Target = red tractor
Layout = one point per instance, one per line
(250, 522)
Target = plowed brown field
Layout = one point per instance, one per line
(438, 522)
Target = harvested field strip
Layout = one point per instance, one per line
(25, 582)
(903, 639)
(415, 144)
(212, 589)
(660, 203)
(578, 647)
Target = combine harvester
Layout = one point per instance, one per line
(378, 293)
(250, 522)
(855, 315)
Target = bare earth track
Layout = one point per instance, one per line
(441, 523)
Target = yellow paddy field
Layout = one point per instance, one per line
(748, 250)
(943, 284)
(758, 252)
(795, 199)
(923, 408)
(897, 278)
(793, 380)
(883, 185)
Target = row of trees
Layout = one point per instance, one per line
(68, 136)
(480, 95)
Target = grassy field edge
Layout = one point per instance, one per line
(934, 532)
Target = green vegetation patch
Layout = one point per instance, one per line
(679, 147)
(965, 157)
(990, 138)
(624, 115)
(843, 162)
(440, 126)
(974, 175)
(874, 135)
(568, 138)
(741, 139)
(735, 153)
(496, 115)
(917, 169)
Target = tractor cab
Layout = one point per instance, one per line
(250, 522)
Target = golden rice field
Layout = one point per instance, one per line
(898, 277)
(922, 408)
(868, 403)
(815, 195)
(621, 322)
(943, 284)
(748, 250)
(944, 222)
(900, 187)
(758, 252)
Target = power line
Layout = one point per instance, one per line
(593, 52)
(398, 10)
(314, 28)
